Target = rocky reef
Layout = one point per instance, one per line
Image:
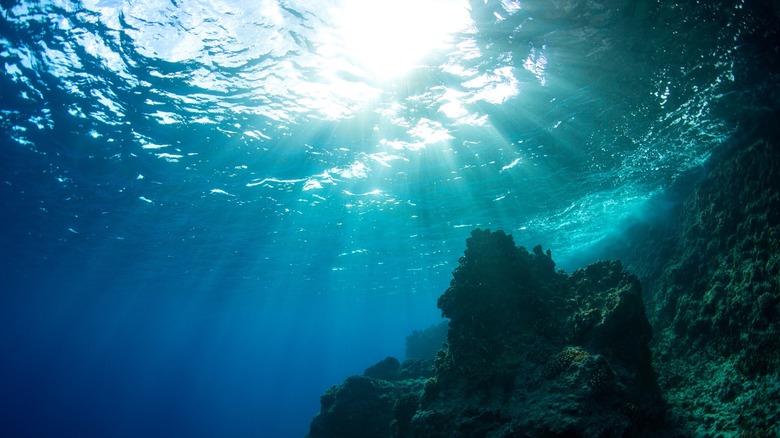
(530, 351)
(535, 352)
(713, 298)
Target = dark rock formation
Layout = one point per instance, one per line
(716, 304)
(535, 352)
(386, 369)
(424, 344)
(711, 272)
(530, 352)
(365, 407)
(380, 403)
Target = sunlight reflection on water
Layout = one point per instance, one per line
(535, 106)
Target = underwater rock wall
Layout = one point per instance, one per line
(716, 305)
(710, 271)
(530, 352)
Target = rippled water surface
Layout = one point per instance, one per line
(213, 210)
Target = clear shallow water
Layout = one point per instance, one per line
(212, 211)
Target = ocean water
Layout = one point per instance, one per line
(213, 210)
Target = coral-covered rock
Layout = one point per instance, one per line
(535, 352)
(500, 297)
(530, 352)
(385, 369)
(725, 278)
(610, 316)
(424, 344)
(417, 369)
(711, 273)
(716, 304)
(365, 407)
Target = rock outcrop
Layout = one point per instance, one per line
(535, 352)
(530, 351)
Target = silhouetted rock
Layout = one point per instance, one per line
(417, 369)
(535, 352)
(363, 407)
(386, 369)
(424, 344)
(530, 352)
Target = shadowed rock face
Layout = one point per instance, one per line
(530, 352)
(720, 290)
(710, 270)
(535, 352)
(499, 298)
(715, 304)
(424, 344)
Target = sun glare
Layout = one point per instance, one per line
(387, 39)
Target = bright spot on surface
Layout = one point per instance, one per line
(390, 38)
(511, 165)
(221, 192)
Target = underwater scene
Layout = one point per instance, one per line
(360, 218)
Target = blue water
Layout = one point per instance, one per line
(214, 210)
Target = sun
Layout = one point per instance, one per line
(388, 38)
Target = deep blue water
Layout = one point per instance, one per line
(214, 210)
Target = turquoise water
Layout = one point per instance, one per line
(213, 211)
